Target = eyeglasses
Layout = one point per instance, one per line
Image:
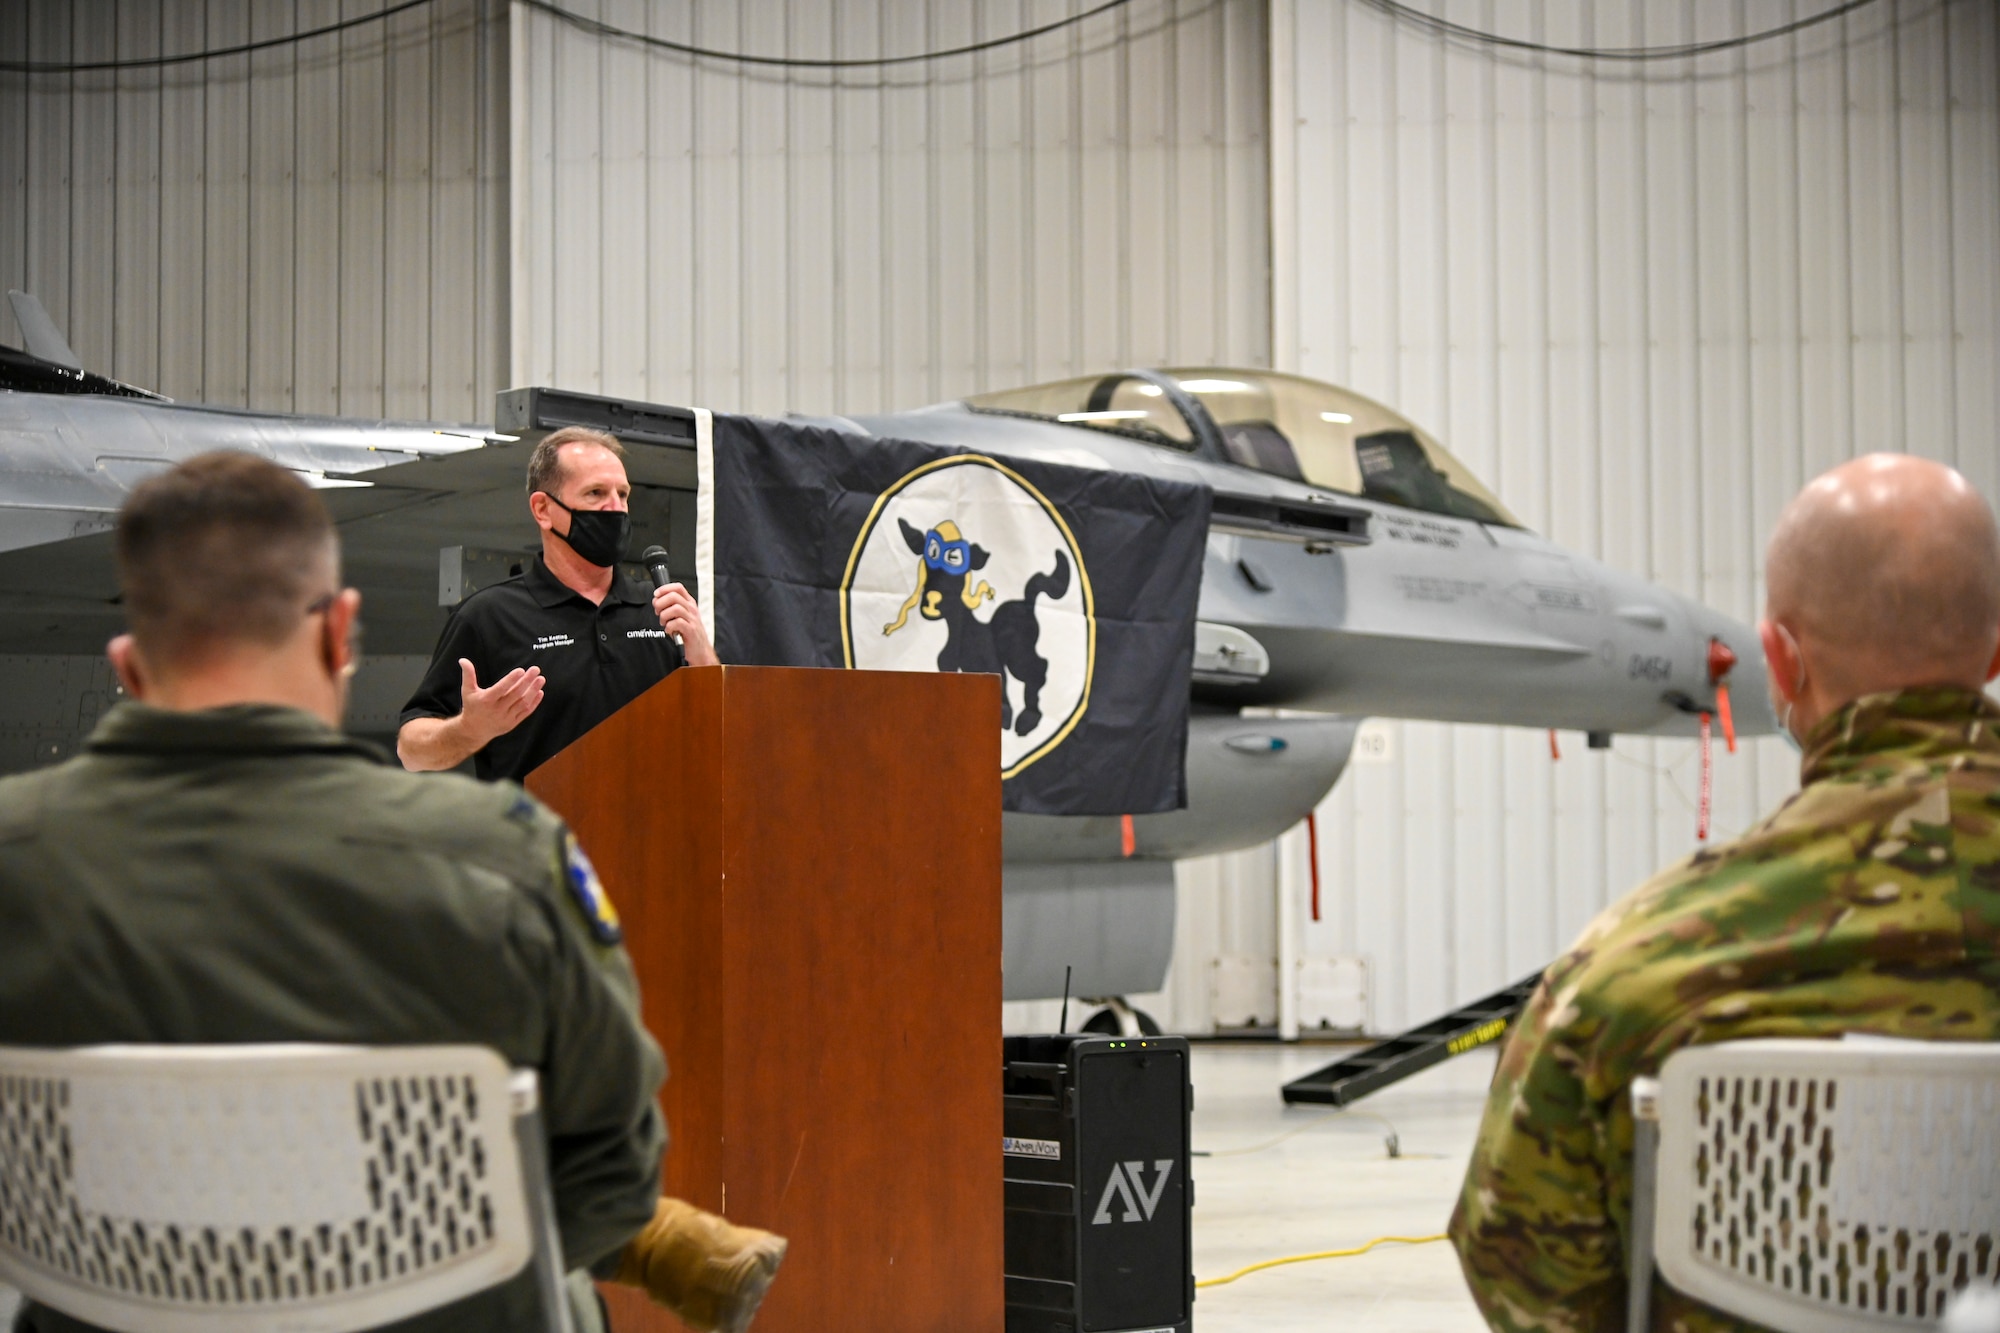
(325, 602)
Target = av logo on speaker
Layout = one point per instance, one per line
(964, 566)
(1127, 1187)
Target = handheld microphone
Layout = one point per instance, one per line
(654, 558)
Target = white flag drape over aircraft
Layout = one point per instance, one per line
(1076, 586)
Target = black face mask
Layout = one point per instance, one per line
(597, 535)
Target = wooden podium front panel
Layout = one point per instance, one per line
(634, 792)
(808, 866)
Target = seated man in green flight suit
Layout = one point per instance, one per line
(1869, 902)
(221, 864)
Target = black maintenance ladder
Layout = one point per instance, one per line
(1375, 1067)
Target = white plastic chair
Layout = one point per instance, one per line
(321, 1189)
(1818, 1186)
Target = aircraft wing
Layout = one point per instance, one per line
(399, 491)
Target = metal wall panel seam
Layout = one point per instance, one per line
(1073, 165)
(1924, 243)
(1502, 918)
(1644, 383)
(1950, 259)
(932, 216)
(1745, 556)
(982, 210)
(1879, 322)
(409, 212)
(658, 382)
(1825, 301)
(519, 107)
(1795, 251)
(183, 214)
(494, 339)
(269, 312)
(1973, 65)
(672, 334)
(436, 211)
(552, 251)
(750, 227)
(458, 251)
(1579, 799)
(575, 230)
(1149, 146)
(1340, 357)
(1122, 62)
(1240, 327)
(1037, 341)
(622, 276)
(441, 395)
(318, 176)
(1028, 154)
(48, 184)
(1697, 313)
(1845, 27)
(836, 369)
(93, 195)
(1449, 776)
(796, 272)
(225, 368)
(363, 316)
(1170, 162)
(14, 99)
(135, 342)
(1895, 253)
(1100, 193)
(451, 306)
(1545, 501)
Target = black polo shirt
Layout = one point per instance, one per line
(596, 659)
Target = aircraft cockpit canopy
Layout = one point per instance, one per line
(1285, 425)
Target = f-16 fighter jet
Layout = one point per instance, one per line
(1353, 568)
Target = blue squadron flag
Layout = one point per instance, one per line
(1076, 586)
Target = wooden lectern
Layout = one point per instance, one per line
(807, 865)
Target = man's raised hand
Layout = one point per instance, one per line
(501, 706)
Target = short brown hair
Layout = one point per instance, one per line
(225, 548)
(545, 471)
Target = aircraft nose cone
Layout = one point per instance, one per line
(1720, 660)
(1736, 659)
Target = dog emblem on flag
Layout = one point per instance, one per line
(964, 566)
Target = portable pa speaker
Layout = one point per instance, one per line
(1099, 1201)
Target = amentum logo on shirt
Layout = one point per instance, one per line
(554, 641)
(645, 634)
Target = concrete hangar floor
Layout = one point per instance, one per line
(1328, 1183)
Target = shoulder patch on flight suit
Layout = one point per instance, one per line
(589, 892)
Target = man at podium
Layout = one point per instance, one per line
(561, 646)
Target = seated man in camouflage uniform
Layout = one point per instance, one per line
(1869, 902)
(221, 864)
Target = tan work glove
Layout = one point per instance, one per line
(711, 1273)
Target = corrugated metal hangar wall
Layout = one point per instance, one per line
(1644, 302)
(868, 240)
(318, 227)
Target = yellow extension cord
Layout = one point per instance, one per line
(1323, 1254)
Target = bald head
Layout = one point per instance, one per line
(1887, 572)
